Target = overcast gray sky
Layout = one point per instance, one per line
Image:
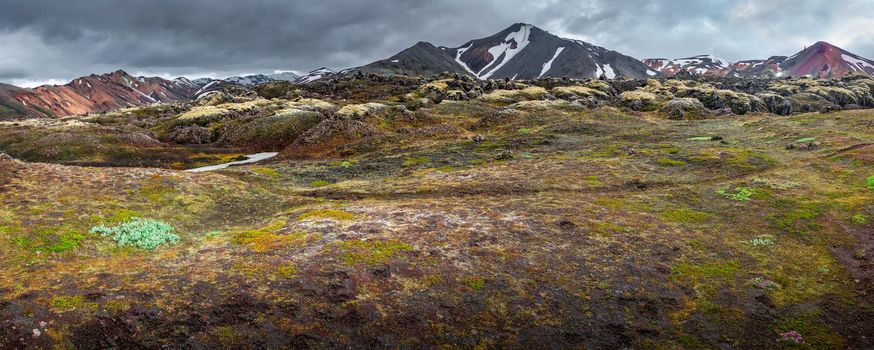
(58, 40)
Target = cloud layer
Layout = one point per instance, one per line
(57, 40)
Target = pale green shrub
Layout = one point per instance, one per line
(141, 233)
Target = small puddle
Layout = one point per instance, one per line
(251, 158)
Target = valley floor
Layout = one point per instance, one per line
(563, 227)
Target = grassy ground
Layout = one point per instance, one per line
(564, 227)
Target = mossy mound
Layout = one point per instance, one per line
(272, 133)
(323, 139)
(190, 135)
(360, 110)
(578, 92)
(513, 96)
(639, 100)
(685, 108)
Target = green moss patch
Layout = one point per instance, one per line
(685, 215)
(65, 303)
(270, 172)
(319, 183)
(416, 161)
(332, 214)
(740, 194)
(370, 252)
(54, 239)
(268, 237)
(796, 218)
(670, 162)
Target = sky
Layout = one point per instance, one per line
(54, 41)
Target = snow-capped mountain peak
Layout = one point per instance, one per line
(283, 76)
(316, 75)
(521, 51)
(698, 65)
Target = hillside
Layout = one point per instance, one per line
(448, 212)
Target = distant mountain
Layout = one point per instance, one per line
(249, 80)
(255, 79)
(521, 51)
(821, 60)
(283, 76)
(698, 65)
(759, 68)
(316, 75)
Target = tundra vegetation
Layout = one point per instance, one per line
(447, 212)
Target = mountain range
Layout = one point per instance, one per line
(521, 51)
(821, 60)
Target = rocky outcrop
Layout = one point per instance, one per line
(190, 135)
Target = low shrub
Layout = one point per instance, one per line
(740, 194)
(762, 241)
(140, 233)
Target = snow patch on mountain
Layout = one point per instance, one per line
(207, 86)
(458, 54)
(514, 43)
(858, 64)
(608, 72)
(548, 65)
(315, 75)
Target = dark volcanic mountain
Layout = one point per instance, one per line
(521, 51)
(422, 59)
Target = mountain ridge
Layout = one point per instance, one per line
(821, 60)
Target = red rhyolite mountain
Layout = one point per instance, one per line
(94, 93)
(824, 60)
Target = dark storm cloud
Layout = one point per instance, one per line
(62, 39)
